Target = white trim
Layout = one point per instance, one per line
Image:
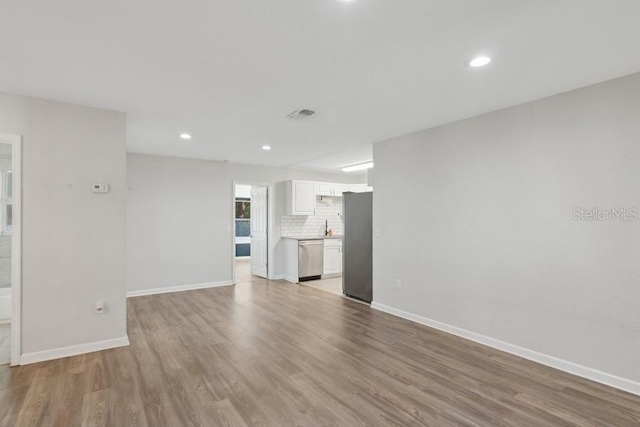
(271, 239)
(544, 359)
(4, 201)
(270, 225)
(73, 350)
(16, 247)
(6, 309)
(243, 257)
(290, 279)
(144, 292)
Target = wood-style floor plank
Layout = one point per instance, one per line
(267, 353)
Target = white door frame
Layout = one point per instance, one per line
(16, 246)
(270, 207)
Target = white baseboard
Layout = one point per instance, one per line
(5, 307)
(290, 279)
(544, 359)
(74, 350)
(277, 277)
(182, 288)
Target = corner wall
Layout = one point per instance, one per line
(476, 219)
(73, 240)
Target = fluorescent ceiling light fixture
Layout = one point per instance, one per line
(185, 136)
(266, 147)
(360, 167)
(479, 61)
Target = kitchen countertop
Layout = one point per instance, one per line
(312, 238)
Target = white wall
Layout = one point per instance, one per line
(475, 218)
(180, 217)
(73, 240)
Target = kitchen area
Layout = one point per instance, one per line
(327, 237)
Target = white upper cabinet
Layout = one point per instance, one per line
(358, 188)
(324, 189)
(338, 189)
(301, 195)
(330, 189)
(301, 198)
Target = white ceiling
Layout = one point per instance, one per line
(229, 71)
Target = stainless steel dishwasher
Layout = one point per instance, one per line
(310, 259)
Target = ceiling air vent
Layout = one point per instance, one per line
(301, 114)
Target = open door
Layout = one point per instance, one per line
(259, 202)
(10, 249)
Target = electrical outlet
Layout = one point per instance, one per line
(99, 307)
(398, 283)
(100, 188)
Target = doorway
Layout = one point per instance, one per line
(10, 244)
(250, 249)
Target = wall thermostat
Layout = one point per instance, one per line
(100, 188)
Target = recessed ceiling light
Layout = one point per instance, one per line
(479, 61)
(266, 147)
(359, 167)
(185, 136)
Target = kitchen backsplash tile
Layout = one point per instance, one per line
(327, 208)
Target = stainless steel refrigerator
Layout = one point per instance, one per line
(357, 250)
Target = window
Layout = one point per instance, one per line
(243, 209)
(7, 202)
(243, 217)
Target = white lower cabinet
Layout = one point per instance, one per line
(332, 257)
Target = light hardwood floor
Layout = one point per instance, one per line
(275, 354)
(333, 285)
(243, 271)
